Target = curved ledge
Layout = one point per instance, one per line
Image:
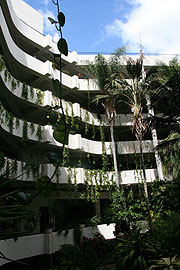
(77, 175)
(34, 66)
(39, 244)
(33, 37)
(39, 133)
(70, 109)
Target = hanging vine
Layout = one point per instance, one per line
(32, 128)
(24, 93)
(39, 133)
(13, 84)
(25, 131)
(40, 97)
(2, 64)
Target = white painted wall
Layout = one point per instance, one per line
(28, 14)
(34, 245)
(128, 176)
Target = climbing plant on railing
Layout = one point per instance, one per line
(40, 97)
(27, 92)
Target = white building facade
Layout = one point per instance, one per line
(27, 120)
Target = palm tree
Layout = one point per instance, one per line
(134, 92)
(165, 98)
(106, 73)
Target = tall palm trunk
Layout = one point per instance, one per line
(155, 141)
(145, 185)
(113, 147)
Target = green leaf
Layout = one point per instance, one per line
(61, 19)
(56, 86)
(44, 185)
(52, 20)
(60, 134)
(2, 159)
(24, 198)
(62, 46)
(44, 179)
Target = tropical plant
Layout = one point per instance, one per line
(106, 72)
(12, 205)
(126, 208)
(87, 255)
(134, 90)
(166, 231)
(167, 263)
(164, 94)
(135, 250)
(165, 198)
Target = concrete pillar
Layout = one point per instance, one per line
(98, 208)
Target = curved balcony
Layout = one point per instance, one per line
(25, 130)
(39, 244)
(37, 72)
(40, 99)
(22, 28)
(24, 172)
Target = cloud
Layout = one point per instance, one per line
(56, 37)
(154, 22)
(44, 2)
(48, 27)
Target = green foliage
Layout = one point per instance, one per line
(24, 91)
(61, 19)
(88, 255)
(167, 263)
(94, 221)
(66, 257)
(166, 230)
(62, 46)
(44, 185)
(164, 197)
(2, 160)
(39, 133)
(135, 250)
(60, 134)
(164, 92)
(40, 96)
(134, 69)
(56, 86)
(25, 131)
(2, 64)
(102, 70)
(12, 206)
(32, 128)
(169, 149)
(126, 208)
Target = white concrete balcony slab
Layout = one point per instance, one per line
(75, 175)
(34, 66)
(18, 129)
(70, 109)
(30, 28)
(125, 147)
(76, 142)
(39, 244)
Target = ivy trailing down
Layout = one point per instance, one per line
(13, 122)
(27, 92)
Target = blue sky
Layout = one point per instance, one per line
(104, 25)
